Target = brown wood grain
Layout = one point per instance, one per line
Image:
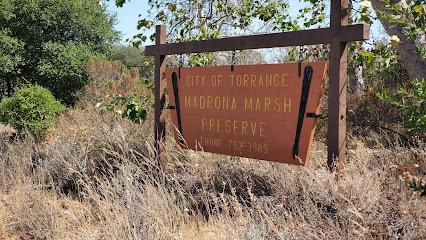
(357, 32)
(337, 88)
(159, 93)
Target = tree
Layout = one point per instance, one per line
(10, 52)
(201, 19)
(10, 57)
(405, 21)
(49, 42)
(132, 57)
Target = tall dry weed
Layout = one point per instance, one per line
(113, 78)
(104, 167)
(95, 177)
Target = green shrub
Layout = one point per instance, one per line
(133, 107)
(32, 108)
(413, 103)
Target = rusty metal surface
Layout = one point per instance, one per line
(357, 32)
(249, 112)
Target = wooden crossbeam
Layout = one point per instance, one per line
(358, 32)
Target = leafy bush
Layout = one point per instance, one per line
(133, 107)
(383, 67)
(412, 103)
(31, 108)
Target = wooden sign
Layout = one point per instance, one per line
(337, 35)
(257, 111)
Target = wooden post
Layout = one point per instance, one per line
(160, 99)
(337, 88)
(338, 34)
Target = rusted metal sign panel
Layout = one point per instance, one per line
(256, 111)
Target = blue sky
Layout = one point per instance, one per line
(128, 17)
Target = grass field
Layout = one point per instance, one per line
(94, 177)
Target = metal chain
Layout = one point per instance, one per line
(180, 60)
(300, 53)
(232, 60)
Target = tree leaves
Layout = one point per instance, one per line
(189, 20)
(365, 11)
(52, 40)
(420, 9)
(119, 3)
(394, 40)
(144, 24)
(413, 103)
(133, 107)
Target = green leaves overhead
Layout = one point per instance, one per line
(365, 12)
(144, 24)
(421, 9)
(120, 3)
(200, 19)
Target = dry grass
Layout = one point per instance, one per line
(95, 178)
(6, 129)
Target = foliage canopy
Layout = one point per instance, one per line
(133, 58)
(48, 42)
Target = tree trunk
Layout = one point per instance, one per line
(414, 63)
(356, 81)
